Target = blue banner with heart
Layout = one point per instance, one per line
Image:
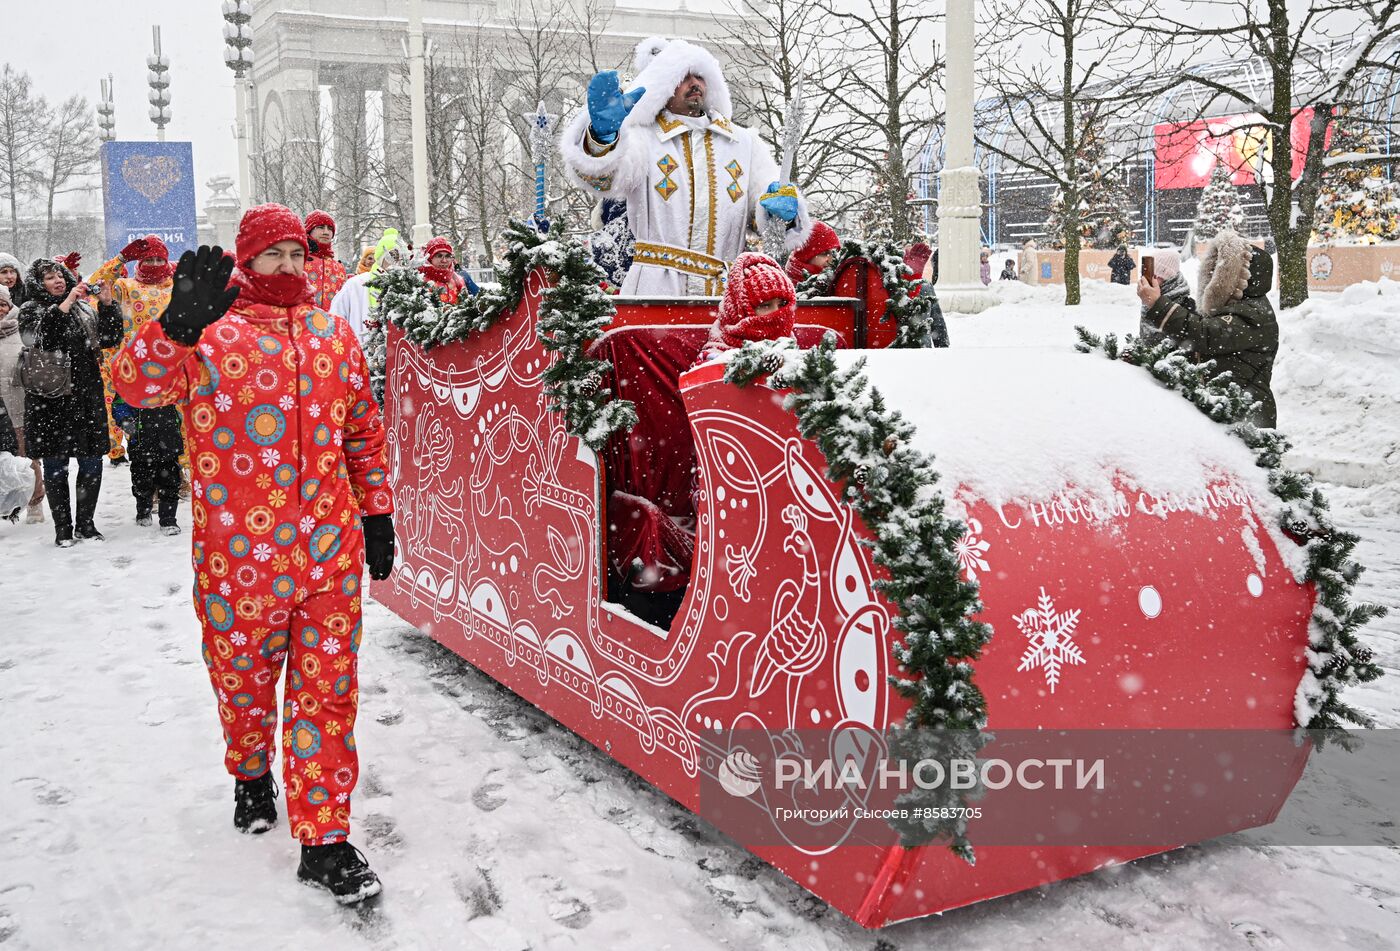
(148, 188)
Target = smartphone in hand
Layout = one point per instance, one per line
(1149, 271)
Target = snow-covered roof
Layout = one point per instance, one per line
(1025, 424)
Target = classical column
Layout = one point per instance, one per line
(422, 228)
(960, 288)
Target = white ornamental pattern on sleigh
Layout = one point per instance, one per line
(1051, 637)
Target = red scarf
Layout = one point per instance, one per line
(441, 276)
(274, 290)
(154, 274)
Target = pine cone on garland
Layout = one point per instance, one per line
(590, 385)
(891, 444)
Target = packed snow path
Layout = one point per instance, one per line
(491, 826)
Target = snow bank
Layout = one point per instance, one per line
(1026, 424)
(1037, 316)
(1337, 380)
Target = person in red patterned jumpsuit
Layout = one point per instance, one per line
(291, 500)
(326, 274)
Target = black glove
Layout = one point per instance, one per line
(201, 294)
(379, 545)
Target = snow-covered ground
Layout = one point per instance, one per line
(495, 828)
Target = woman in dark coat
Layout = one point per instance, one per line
(1121, 266)
(57, 317)
(1235, 324)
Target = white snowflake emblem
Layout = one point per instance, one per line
(331, 646)
(223, 402)
(226, 518)
(315, 410)
(1051, 636)
(271, 457)
(286, 402)
(970, 549)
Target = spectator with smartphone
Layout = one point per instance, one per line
(1235, 324)
(69, 421)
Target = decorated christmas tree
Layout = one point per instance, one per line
(1219, 208)
(1104, 202)
(1357, 203)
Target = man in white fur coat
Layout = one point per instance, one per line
(694, 182)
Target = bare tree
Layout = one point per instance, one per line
(1062, 72)
(22, 129)
(67, 154)
(885, 93)
(769, 44)
(1327, 56)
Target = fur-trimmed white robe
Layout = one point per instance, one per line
(689, 182)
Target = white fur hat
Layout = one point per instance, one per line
(661, 64)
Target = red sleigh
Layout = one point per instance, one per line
(1186, 616)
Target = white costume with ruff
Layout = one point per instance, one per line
(692, 184)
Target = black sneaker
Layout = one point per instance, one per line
(255, 804)
(171, 529)
(144, 520)
(340, 869)
(88, 532)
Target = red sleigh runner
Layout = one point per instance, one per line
(1157, 610)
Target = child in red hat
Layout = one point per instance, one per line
(326, 274)
(759, 303)
(439, 270)
(815, 253)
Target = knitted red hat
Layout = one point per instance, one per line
(753, 279)
(318, 218)
(266, 225)
(821, 240)
(437, 245)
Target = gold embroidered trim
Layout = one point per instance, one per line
(602, 183)
(666, 188)
(710, 170)
(683, 260)
(690, 175)
(667, 125)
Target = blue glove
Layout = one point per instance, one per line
(608, 105)
(780, 201)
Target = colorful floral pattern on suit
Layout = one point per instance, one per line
(140, 304)
(288, 454)
(327, 277)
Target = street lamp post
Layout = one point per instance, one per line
(107, 113)
(238, 56)
(960, 288)
(418, 106)
(157, 77)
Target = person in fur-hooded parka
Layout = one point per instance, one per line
(1235, 326)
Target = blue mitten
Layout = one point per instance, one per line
(780, 201)
(608, 105)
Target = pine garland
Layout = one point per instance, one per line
(913, 316)
(573, 313)
(889, 484)
(1336, 657)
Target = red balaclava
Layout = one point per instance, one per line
(158, 273)
(822, 240)
(441, 276)
(260, 229)
(315, 220)
(753, 279)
